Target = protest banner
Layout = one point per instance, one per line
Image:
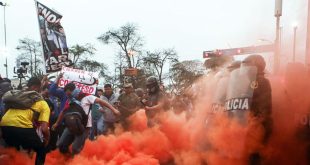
(53, 39)
(84, 80)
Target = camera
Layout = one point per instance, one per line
(21, 73)
(24, 64)
(22, 70)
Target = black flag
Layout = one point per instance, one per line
(53, 39)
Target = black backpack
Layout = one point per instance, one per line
(75, 118)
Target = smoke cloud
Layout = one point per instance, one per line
(182, 141)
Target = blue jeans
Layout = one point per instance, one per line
(103, 127)
(77, 141)
(93, 130)
(100, 126)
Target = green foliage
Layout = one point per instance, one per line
(185, 73)
(80, 56)
(80, 52)
(93, 66)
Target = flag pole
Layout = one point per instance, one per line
(44, 62)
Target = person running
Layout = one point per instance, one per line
(69, 136)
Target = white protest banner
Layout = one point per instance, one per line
(84, 80)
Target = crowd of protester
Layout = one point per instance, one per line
(51, 129)
(64, 117)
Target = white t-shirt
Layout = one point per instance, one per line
(85, 103)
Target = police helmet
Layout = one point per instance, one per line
(234, 65)
(151, 81)
(256, 60)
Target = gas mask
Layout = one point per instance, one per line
(152, 88)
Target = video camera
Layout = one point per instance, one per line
(22, 70)
(21, 73)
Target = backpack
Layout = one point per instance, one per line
(75, 118)
(22, 100)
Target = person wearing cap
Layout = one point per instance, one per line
(18, 128)
(129, 103)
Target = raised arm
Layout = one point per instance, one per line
(103, 103)
(54, 90)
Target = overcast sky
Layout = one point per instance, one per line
(189, 26)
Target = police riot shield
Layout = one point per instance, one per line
(242, 83)
(218, 95)
(220, 92)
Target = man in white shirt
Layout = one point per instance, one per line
(86, 101)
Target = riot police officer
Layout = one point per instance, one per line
(248, 102)
(261, 106)
(155, 101)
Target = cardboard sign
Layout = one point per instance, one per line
(131, 72)
(86, 81)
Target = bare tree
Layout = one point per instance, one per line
(30, 51)
(128, 39)
(156, 60)
(119, 68)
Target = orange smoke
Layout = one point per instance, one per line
(12, 157)
(220, 141)
(291, 107)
